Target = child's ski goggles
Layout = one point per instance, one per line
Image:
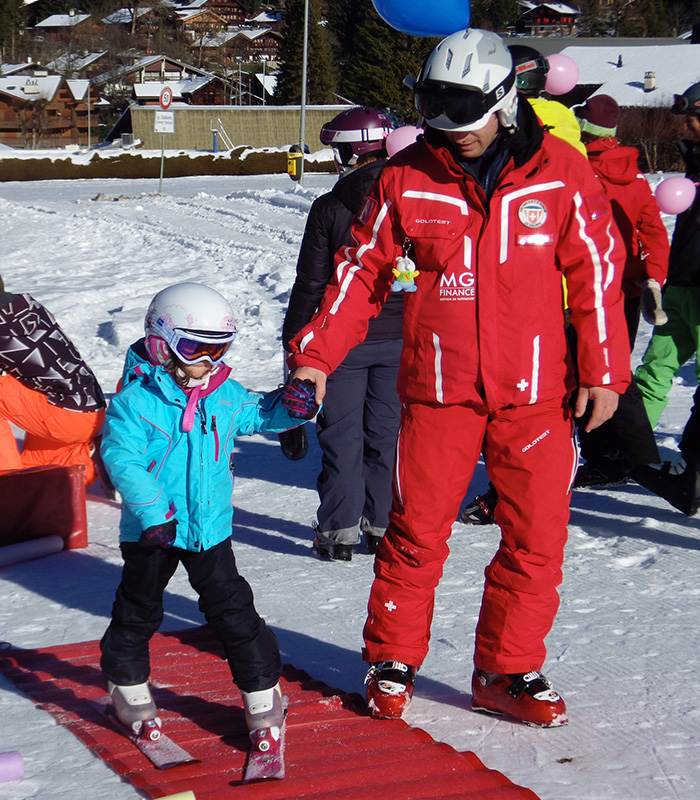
(195, 346)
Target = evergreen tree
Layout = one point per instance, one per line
(381, 58)
(494, 15)
(11, 29)
(322, 75)
(653, 13)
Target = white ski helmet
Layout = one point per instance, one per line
(468, 77)
(193, 320)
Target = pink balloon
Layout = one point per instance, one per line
(675, 195)
(402, 137)
(562, 75)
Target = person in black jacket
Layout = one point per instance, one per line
(47, 390)
(676, 342)
(358, 422)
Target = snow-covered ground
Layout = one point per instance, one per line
(623, 651)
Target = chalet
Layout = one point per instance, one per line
(266, 19)
(231, 11)
(261, 44)
(197, 22)
(547, 19)
(72, 27)
(80, 65)
(46, 111)
(205, 90)
(149, 68)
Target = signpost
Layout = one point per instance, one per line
(164, 124)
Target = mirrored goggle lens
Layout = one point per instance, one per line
(460, 106)
(192, 351)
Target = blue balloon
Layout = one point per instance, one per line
(425, 17)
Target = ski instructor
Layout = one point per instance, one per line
(493, 211)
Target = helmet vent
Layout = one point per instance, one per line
(486, 88)
(467, 65)
(448, 59)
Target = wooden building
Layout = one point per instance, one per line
(46, 111)
(547, 19)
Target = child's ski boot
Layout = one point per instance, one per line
(136, 709)
(264, 716)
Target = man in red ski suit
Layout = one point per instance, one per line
(493, 211)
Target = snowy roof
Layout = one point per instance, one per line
(31, 89)
(78, 88)
(675, 66)
(269, 82)
(152, 89)
(124, 16)
(560, 8)
(73, 61)
(266, 17)
(62, 20)
(8, 69)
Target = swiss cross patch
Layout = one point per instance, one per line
(533, 213)
(366, 213)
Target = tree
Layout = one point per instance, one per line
(322, 74)
(11, 28)
(380, 60)
(494, 15)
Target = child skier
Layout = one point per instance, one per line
(168, 446)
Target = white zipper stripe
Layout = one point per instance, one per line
(344, 283)
(535, 383)
(302, 345)
(438, 369)
(597, 269)
(440, 198)
(505, 207)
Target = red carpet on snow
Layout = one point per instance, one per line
(334, 749)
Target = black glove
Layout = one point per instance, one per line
(298, 397)
(294, 443)
(162, 535)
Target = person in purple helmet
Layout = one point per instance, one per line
(357, 425)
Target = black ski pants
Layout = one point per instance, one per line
(225, 598)
(356, 430)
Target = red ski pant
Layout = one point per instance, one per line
(530, 457)
(53, 435)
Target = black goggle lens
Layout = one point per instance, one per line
(460, 106)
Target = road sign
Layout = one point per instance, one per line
(166, 98)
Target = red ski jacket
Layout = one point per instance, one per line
(635, 212)
(486, 323)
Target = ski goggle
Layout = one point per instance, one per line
(460, 105)
(531, 75)
(681, 105)
(193, 347)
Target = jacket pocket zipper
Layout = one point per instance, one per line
(216, 438)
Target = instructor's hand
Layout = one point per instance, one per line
(316, 376)
(603, 401)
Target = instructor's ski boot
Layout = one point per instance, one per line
(527, 697)
(264, 716)
(136, 709)
(389, 688)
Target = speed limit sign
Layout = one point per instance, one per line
(166, 98)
